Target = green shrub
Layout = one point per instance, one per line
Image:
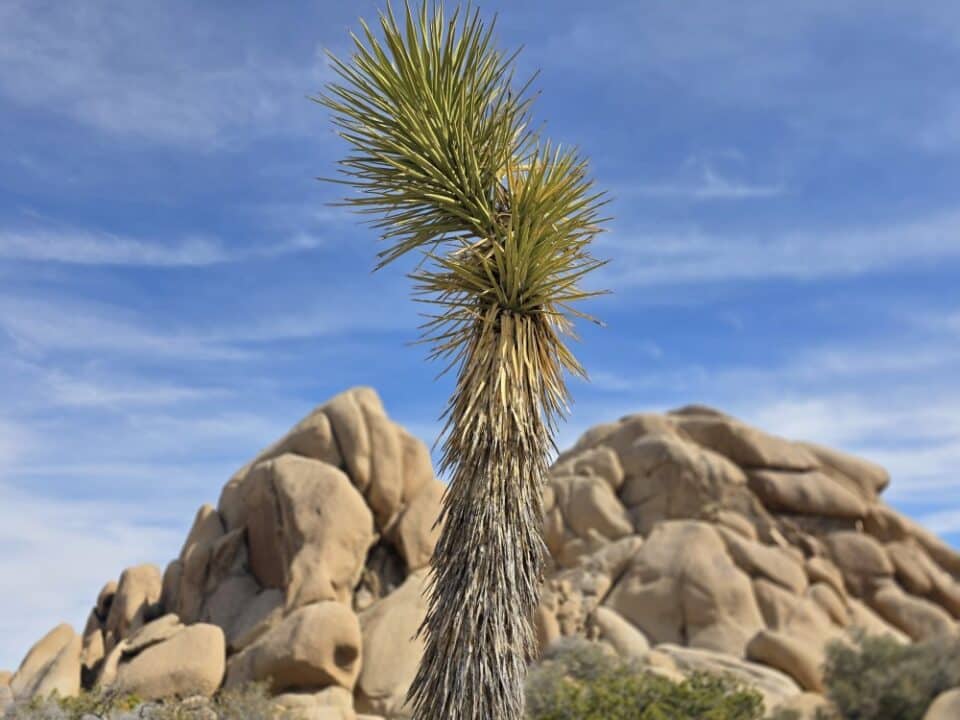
(580, 680)
(877, 678)
(96, 703)
(249, 702)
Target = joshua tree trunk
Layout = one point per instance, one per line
(442, 157)
(489, 560)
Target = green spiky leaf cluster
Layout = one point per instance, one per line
(443, 158)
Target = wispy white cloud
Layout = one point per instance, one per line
(141, 71)
(686, 256)
(942, 522)
(14, 441)
(71, 326)
(81, 247)
(63, 390)
(771, 59)
(59, 552)
(709, 186)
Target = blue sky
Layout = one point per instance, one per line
(175, 291)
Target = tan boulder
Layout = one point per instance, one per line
(105, 599)
(332, 703)
(308, 530)
(886, 524)
(698, 410)
(228, 601)
(789, 654)
(92, 648)
(107, 672)
(206, 529)
(827, 598)
(192, 569)
(414, 534)
(946, 592)
(417, 466)
(372, 450)
(312, 438)
(939, 551)
(314, 647)
(619, 436)
(573, 593)
(822, 570)
(773, 563)
(861, 559)
(575, 549)
(163, 628)
(391, 648)
(608, 626)
(51, 665)
(805, 706)
(590, 506)
(135, 603)
(554, 530)
(911, 565)
(662, 665)
(945, 707)
(172, 660)
(170, 586)
(590, 439)
(866, 619)
(775, 686)
(918, 618)
(668, 478)
(792, 614)
(870, 478)
(259, 615)
(805, 493)
(601, 462)
(744, 445)
(6, 694)
(546, 626)
(737, 523)
(351, 432)
(681, 586)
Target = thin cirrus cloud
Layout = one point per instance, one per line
(711, 185)
(81, 544)
(81, 247)
(140, 71)
(42, 326)
(662, 257)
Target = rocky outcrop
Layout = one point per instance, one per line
(687, 541)
(747, 544)
(167, 659)
(391, 650)
(313, 648)
(51, 666)
(945, 707)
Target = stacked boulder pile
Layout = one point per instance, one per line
(689, 541)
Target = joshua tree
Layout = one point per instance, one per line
(442, 156)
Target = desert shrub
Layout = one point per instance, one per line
(579, 680)
(96, 703)
(249, 702)
(877, 678)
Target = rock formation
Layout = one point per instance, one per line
(689, 541)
